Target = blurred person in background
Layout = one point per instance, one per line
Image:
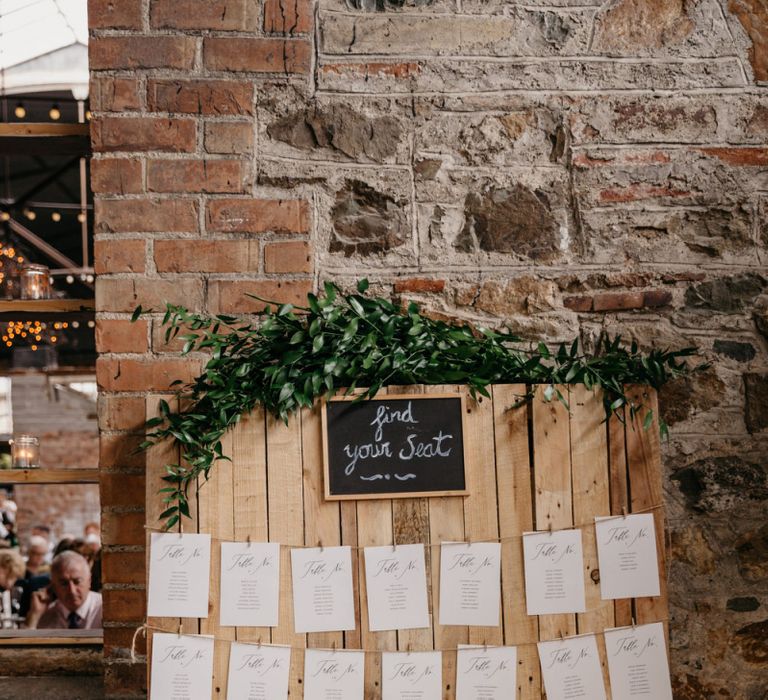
(37, 552)
(69, 603)
(45, 532)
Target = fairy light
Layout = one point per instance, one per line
(5, 216)
(56, 217)
(54, 113)
(19, 112)
(33, 333)
(81, 217)
(30, 214)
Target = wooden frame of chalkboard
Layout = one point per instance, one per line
(443, 456)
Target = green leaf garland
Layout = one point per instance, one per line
(292, 355)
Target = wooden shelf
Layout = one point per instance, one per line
(49, 476)
(25, 637)
(45, 305)
(45, 139)
(43, 129)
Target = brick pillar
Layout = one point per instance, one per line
(177, 219)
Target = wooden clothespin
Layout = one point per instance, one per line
(550, 527)
(178, 632)
(258, 643)
(333, 647)
(320, 544)
(485, 647)
(248, 539)
(408, 649)
(624, 512)
(562, 638)
(633, 623)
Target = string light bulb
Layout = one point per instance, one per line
(70, 279)
(54, 113)
(88, 115)
(19, 112)
(56, 217)
(30, 214)
(5, 216)
(81, 217)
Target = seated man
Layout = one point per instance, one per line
(75, 606)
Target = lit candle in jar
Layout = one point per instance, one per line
(25, 452)
(35, 282)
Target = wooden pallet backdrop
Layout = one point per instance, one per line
(529, 467)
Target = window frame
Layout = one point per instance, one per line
(39, 637)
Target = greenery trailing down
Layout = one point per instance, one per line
(293, 355)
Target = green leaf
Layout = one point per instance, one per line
(362, 285)
(648, 419)
(136, 314)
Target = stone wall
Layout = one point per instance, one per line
(562, 167)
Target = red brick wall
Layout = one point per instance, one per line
(177, 219)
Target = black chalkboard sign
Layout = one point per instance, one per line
(394, 446)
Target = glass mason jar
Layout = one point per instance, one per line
(35, 282)
(25, 452)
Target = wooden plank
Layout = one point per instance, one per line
(645, 488)
(44, 129)
(216, 512)
(46, 305)
(249, 484)
(591, 496)
(617, 458)
(157, 457)
(322, 520)
(286, 516)
(513, 478)
(410, 525)
(348, 513)
(481, 519)
(348, 516)
(552, 481)
(50, 476)
(374, 527)
(446, 524)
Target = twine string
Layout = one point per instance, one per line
(146, 627)
(469, 541)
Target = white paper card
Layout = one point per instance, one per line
(486, 673)
(179, 573)
(333, 675)
(637, 663)
(571, 669)
(626, 549)
(414, 676)
(250, 584)
(470, 584)
(182, 667)
(322, 589)
(258, 672)
(554, 572)
(396, 582)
